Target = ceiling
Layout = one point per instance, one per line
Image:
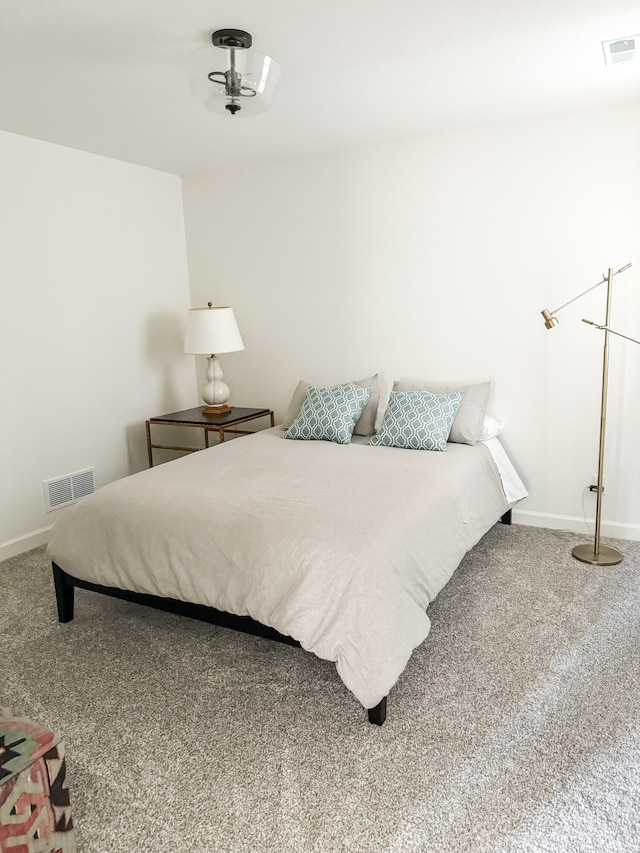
(108, 76)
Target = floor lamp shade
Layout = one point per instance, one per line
(211, 331)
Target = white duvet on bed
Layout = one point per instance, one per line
(340, 546)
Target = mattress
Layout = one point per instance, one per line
(341, 547)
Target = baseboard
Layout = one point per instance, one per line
(21, 544)
(611, 529)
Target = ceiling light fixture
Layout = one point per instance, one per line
(230, 78)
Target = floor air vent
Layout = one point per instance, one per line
(62, 491)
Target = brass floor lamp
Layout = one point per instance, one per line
(597, 554)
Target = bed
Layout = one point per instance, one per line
(338, 548)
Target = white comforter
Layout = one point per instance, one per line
(341, 547)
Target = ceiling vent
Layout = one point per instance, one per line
(62, 491)
(621, 50)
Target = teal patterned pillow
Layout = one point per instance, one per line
(418, 420)
(329, 413)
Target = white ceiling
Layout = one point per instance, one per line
(108, 76)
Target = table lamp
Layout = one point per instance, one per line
(211, 331)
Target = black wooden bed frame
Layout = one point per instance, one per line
(65, 585)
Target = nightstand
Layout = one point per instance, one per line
(222, 424)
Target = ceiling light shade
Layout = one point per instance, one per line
(230, 78)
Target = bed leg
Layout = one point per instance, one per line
(378, 715)
(506, 518)
(64, 595)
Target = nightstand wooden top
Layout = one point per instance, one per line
(195, 416)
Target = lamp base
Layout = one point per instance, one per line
(605, 557)
(216, 410)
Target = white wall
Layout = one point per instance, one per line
(94, 287)
(434, 258)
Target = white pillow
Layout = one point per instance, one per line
(491, 428)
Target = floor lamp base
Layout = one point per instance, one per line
(605, 557)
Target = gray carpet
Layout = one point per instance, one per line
(515, 727)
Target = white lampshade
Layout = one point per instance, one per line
(212, 330)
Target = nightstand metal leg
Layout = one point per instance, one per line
(149, 453)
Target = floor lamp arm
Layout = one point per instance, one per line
(611, 331)
(605, 278)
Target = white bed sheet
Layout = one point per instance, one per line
(512, 485)
(341, 547)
